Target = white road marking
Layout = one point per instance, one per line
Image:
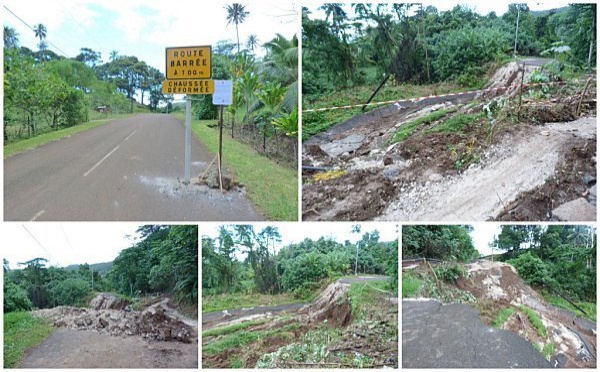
(109, 154)
(37, 215)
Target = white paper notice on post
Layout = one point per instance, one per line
(223, 94)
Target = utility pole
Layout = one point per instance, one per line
(517, 30)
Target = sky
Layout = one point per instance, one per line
(67, 243)
(480, 6)
(292, 232)
(144, 28)
(483, 234)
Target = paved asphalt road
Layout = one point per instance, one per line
(126, 170)
(453, 336)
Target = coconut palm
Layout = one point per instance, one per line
(113, 55)
(41, 32)
(11, 38)
(237, 14)
(252, 42)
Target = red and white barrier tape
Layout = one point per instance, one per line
(432, 96)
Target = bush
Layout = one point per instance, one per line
(15, 298)
(69, 292)
(532, 269)
(451, 273)
(307, 268)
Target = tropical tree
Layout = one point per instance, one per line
(281, 64)
(11, 38)
(236, 13)
(113, 55)
(249, 83)
(271, 96)
(252, 42)
(41, 32)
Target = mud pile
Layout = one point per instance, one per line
(332, 306)
(153, 325)
(573, 338)
(500, 282)
(509, 76)
(105, 301)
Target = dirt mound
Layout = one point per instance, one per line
(573, 342)
(508, 75)
(355, 196)
(332, 306)
(153, 325)
(501, 282)
(105, 301)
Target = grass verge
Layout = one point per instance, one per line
(22, 331)
(364, 295)
(455, 124)
(241, 338)
(535, 321)
(406, 130)
(240, 300)
(230, 329)
(35, 142)
(589, 307)
(271, 187)
(502, 317)
(411, 286)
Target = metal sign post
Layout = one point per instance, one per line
(188, 138)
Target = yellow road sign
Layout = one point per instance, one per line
(189, 62)
(189, 86)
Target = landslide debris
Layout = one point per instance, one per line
(333, 306)
(567, 340)
(111, 316)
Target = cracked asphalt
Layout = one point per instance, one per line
(453, 336)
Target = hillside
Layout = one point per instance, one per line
(102, 268)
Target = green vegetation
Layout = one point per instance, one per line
(364, 295)
(240, 261)
(443, 242)
(22, 331)
(230, 329)
(535, 321)
(37, 141)
(548, 350)
(271, 186)
(242, 338)
(225, 301)
(407, 129)
(588, 307)
(451, 273)
(350, 48)
(411, 286)
(164, 260)
(502, 317)
(456, 123)
(562, 257)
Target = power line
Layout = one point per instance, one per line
(84, 29)
(37, 241)
(67, 238)
(31, 28)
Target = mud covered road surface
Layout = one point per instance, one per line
(518, 164)
(453, 336)
(111, 335)
(480, 169)
(68, 348)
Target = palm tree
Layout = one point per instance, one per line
(11, 38)
(252, 42)
(271, 96)
(281, 63)
(249, 83)
(113, 55)
(41, 32)
(237, 14)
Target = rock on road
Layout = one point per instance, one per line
(453, 336)
(126, 170)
